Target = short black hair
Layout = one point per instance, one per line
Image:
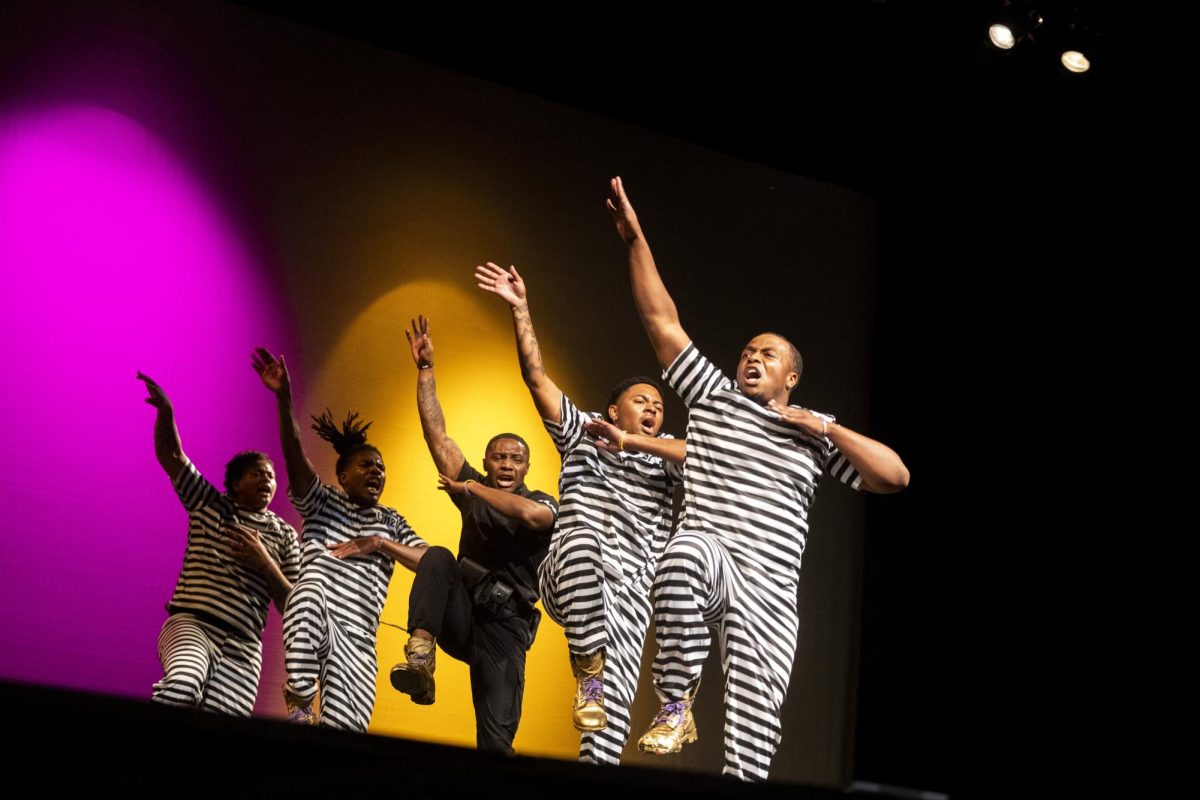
(500, 436)
(241, 462)
(615, 395)
(797, 359)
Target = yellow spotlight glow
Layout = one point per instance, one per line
(370, 370)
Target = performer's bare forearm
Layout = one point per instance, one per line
(880, 467)
(447, 456)
(168, 449)
(300, 470)
(546, 395)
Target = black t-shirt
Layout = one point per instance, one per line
(499, 543)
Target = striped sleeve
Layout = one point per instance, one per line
(693, 376)
(289, 552)
(194, 491)
(313, 499)
(566, 434)
(839, 466)
(674, 472)
(402, 532)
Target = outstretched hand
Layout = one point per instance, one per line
(420, 343)
(273, 371)
(608, 436)
(800, 418)
(622, 212)
(451, 486)
(358, 546)
(505, 282)
(158, 398)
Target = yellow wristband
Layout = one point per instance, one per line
(621, 441)
(466, 486)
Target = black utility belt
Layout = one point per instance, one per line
(497, 597)
(488, 590)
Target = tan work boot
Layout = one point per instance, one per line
(414, 677)
(298, 710)
(588, 714)
(672, 728)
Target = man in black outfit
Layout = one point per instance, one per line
(479, 608)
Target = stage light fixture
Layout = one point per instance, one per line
(1065, 31)
(1002, 36)
(1015, 21)
(1075, 61)
(1079, 43)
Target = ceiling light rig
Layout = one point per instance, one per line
(1048, 27)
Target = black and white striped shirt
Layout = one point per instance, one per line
(215, 582)
(356, 587)
(749, 479)
(625, 497)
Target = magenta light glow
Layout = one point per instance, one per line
(114, 259)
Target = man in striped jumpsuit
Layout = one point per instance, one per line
(753, 462)
(350, 546)
(239, 557)
(618, 477)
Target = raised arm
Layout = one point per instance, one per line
(878, 465)
(654, 304)
(274, 376)
(530, 513)
(167, 447)
(447, 455)
(547, 397)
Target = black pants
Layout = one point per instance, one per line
(493, 647)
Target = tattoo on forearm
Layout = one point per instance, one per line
(527, 344)
(429, 407)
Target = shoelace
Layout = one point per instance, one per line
(670, 710)
(593, 690)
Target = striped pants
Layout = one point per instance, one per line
(320, 649)
(698, 585)
(206, 667)
(598, 614)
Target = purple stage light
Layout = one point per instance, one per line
(114, 259)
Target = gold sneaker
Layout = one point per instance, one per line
(414, 675)
(588, 714)
(672, 728)
(299, 711)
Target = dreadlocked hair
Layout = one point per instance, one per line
(347, 440)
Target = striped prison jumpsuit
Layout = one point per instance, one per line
(614, 518)
(734, 562)
(211, 644)
(332, 614)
